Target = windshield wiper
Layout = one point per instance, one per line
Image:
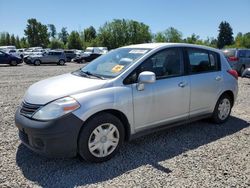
(92, 74)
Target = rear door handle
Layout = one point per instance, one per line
(218, 78)
(182, 84)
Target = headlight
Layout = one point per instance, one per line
(57, 109)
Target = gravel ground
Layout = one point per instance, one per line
(200, 154)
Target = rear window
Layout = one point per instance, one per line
(229, 53)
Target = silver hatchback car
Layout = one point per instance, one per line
(128, 92)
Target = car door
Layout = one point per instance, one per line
(166, 100)
(46, 57)
(4, 58)
(205, 80)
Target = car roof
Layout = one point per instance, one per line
(159, 45)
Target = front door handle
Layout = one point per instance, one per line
(182, 84)
(218, 78)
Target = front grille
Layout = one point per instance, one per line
(29, 109)
(24, 137)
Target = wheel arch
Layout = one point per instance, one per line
(230, 94)
(120, 115)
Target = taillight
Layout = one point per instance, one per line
(233, 58)
(233, 73)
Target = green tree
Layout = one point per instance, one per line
(56, 44)
(23, 43)
(173, 35)
(7, 39)
(13, 40)
(193, 39)
(239, 40)
(2, 39)
(123, 32)
(74, 40)
(225, 36)
(63, 35)
(246, 40)
(52, 32)
(17, 42)
(37, 33)
(89, 34)
(159, 37)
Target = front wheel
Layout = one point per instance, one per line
(222, 109)
(13, 63)
(37, 62)
(100, 138)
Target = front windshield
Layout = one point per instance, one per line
(115, 62)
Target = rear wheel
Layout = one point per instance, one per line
(100, 138)
(242, 70)
(222, 109)
(37, 62)
(61, 62)
(13, 63)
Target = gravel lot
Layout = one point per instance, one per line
(200, 154)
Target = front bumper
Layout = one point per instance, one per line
(54, 138)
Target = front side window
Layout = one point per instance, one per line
(115, 62)
(202, 61)
(166, 63)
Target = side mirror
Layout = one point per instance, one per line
(246, 73)
(145, 77)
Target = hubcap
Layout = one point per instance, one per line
(103, 140)
(224, 109)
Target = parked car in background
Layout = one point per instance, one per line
(90, 54)
(239, 59)
(126, 93)
(7, 47)
(51, 57)
(15, 52)
(246, 73)
(70, 54)
(20, 52)
(10, 59)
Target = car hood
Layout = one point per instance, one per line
(56, 87)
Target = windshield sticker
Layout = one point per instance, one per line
(117, 68)
(138, 51)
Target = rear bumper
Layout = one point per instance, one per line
(55, 138)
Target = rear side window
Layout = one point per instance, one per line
(201, 61)
(242, 53)
(2, 54)
(248, 54)
(57, 53)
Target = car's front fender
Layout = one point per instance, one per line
(113, 98)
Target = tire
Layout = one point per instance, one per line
(242, 70)
(13, 63)
(37, 62)
(102, 131)
(222, 109)
(61, 62)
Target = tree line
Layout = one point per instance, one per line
(114, 34)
